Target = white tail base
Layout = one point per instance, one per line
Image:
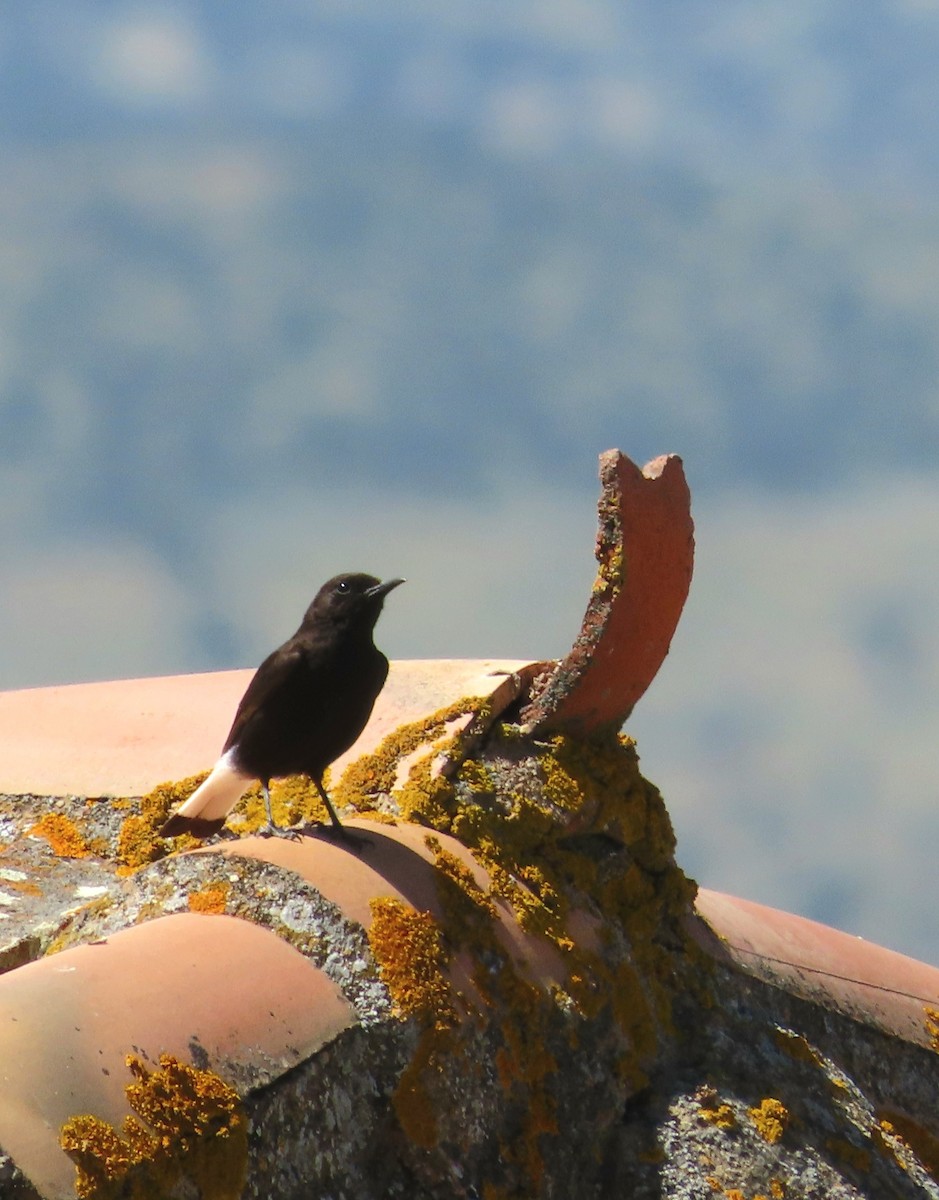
(219, 793)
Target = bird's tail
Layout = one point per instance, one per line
(205, 811)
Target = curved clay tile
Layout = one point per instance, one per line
(645, 552)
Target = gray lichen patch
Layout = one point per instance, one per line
(773, 1098)
(89, 825)
(265, 894)
(41, 893)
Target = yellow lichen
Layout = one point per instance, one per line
(523, 844)
(415, 1107)
(189, 1124)
(535, 847)
(932, 1026)
(295, 800)
(720, 1115)
(63, 835)
(409, 949)
(797, 1047)
(921, 1141)
(456, 884)
(652, 1155)
(376, 773)
(524, 1151)
(770, 1117)
(380, 818)
(139, 841)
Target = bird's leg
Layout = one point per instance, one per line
(272, 829)
(336, 829)
(337, 824)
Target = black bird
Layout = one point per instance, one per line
(306, 704)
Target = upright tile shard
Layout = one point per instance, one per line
(645, 554)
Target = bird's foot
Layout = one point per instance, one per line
(269, 829)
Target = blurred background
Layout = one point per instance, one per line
(303, 287)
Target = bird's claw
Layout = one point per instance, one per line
(320, 829)
(292, 833)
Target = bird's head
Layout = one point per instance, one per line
(352, 599)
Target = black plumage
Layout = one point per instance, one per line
(306, 704)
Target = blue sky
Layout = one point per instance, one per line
(361, 286)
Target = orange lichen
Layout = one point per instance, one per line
(189, 1123)
(63, 835)
(25, 886)
(770, 1117)
(212, 899)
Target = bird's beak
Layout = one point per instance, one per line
(382, 589)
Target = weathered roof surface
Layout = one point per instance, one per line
(223, 992)
(122, 738)
(214, 989)
(844, 973)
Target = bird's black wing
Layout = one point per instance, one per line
(273, 674)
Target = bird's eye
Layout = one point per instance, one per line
(342, 586)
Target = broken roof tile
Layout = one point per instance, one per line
(645, 552)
